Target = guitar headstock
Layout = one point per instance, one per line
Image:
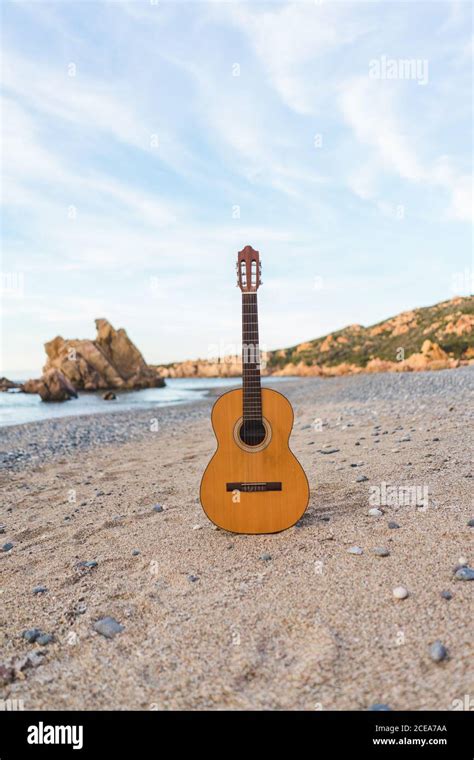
(249, 270)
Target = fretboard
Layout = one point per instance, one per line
(252, 396)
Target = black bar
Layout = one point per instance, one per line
(250, 487)
(121, 734)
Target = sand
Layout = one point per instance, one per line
(209, 623)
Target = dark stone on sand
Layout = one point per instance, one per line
(380, 707)
(45, 639)
(361, 479)
(157, 508)
(447, 595)
(40, 590)
(265, 557)
(464, 574)
(471, 523)
(7, 547)
(438, 651)
(381, 551)
(135, 553)
(31, 634)
(393, 525)
(328, 451)
(193, 578)
(108, 627)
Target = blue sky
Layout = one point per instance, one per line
(145, 143)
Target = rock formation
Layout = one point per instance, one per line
(52, 386)
(229, 366)
(6, 384)
(111, 361)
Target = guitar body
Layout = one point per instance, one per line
(254, 488)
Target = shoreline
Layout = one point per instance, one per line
(31, 444)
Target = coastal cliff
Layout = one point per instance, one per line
(429, 338)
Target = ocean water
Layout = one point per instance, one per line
(16, 408)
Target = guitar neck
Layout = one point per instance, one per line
(252, 393)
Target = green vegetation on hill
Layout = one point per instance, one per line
(450, 324)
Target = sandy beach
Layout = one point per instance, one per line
(213, 620)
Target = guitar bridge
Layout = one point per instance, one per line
(251, 487)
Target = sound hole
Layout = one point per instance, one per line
(252, 432)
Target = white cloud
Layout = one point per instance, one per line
(288, 38)
(369, 108)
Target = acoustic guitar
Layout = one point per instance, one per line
(253, 483)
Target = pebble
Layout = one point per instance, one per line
(400, 592)
(197, 527)
(99, 493)
(135, 553)
(39, 590)
(393, 525)
(447, 595)
(381, 551)
(266, 557)
(380, 707)
(2, 529)
(374, 512)
(157, 508)
(80, 608)
(45, 639)
(328, 451)
(438, 651)
(355, 550)
(464, 574)
(193, 578)
(31, 634)
(91, 563)
(471, 523)
(108, 627)
(7, 547)
(361, 479)
(404, 439)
